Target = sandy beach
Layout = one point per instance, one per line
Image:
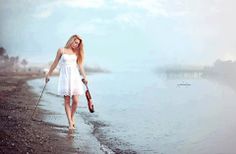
(18, 133)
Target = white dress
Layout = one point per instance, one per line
(69, 82)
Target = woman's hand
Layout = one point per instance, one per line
(47, 78)
(85, 81)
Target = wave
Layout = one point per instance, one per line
(108, 144)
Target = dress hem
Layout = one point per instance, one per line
(66, 94)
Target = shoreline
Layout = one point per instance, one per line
(89, 136)
(18, 133)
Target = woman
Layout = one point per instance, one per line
(71, 58)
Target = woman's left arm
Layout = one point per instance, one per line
(81, 68)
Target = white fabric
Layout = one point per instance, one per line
(69, 82)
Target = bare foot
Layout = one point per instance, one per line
(71, 127)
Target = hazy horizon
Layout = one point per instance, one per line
(121, 34)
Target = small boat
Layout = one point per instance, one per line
(184, 84)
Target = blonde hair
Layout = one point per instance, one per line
(79, 51)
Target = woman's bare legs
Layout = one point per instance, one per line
(74, 107)
(68, 111)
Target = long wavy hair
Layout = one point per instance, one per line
(79, 50)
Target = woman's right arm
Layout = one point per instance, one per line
(54, 64)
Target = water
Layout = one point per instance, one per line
(144, 112)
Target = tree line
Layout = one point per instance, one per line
(10, 63)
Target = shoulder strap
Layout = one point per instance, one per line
(62, 50)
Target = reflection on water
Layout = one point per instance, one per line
(151, 113)
(71, 135)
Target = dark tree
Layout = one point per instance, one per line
(2, 51)
(24, 62)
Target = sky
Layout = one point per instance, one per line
(122, 34)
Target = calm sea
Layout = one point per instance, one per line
(144, 112)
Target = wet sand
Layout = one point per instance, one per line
(18, 133)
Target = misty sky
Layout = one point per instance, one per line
(122, 34)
